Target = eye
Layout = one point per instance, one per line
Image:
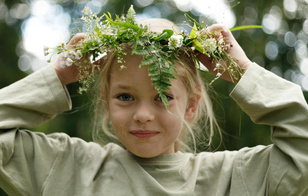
(125, 97)
(169, 98)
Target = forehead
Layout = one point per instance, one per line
(130, 71)
(135, 76)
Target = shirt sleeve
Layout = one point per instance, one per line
(26, 158)
(33, 100)
(271, 100)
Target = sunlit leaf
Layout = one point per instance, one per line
(238, 28)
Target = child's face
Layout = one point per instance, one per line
(139, 119)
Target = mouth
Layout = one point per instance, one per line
(144, 134)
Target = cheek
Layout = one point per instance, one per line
(173, 123)
(119, 118)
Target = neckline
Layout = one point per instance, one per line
(162, 159)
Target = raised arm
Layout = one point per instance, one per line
(38, 97)
(32, 100)
(270, 100)
(28, 159)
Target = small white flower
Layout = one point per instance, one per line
(86, 11)
(69, 62)
(46, 51)
(218, 75)
(64, 54)
(227, 46)
(210, 45)
(78, 55)
(220, 49)
(193, 48)
(221, 41)
(71, 54)
(63, 45)
(175, 41)
(122, 67)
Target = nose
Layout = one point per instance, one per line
(143, 113)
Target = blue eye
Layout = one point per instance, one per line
(125, 97)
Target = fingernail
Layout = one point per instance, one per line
(225, 29)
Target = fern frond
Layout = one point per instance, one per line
(148, 60)
(140, 51)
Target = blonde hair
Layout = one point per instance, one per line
(199, 130)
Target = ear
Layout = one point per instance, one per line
(192, 106)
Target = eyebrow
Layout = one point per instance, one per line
(122, 86)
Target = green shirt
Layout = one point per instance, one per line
(38, 164)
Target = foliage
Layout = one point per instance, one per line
(159, 51)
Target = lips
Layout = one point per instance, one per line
(144, 134)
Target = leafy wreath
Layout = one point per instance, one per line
(159, 50)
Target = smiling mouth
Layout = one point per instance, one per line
(144, 134)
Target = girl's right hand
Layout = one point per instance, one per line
(69, 74)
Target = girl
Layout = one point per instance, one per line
(151, 162)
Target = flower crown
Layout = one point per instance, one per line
(159, 50)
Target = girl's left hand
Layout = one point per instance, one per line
(235, 52)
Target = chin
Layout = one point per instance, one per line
(148, 151)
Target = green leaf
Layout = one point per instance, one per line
(140, 51)
(169, 75)
(153, 66)
(156, 73)
(108, 16)
(193, 20)
(199, 47)
(124, 25)
(165, 81)
(193, 33)
(166, 34)
(117, 18)
(97, 30)
(164, 100)
(148, 60)
(155, 77)
(238, 28)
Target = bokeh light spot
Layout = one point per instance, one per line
(143, 3)
(304, 66)
(290, 39)
(271, 50)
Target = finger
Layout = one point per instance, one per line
(221, 30)
(75, 39)
(206, 61)
(218, 27)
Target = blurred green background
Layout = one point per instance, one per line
(281, 47)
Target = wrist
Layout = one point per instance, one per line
(60, 75)
(66, 75)
(245, 65)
